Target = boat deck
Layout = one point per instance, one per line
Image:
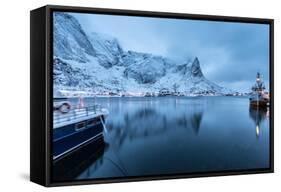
(77, 115)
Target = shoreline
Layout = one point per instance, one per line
(170, 96)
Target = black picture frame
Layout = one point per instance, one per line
(41, 92)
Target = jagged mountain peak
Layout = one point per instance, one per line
(196, 69)
(196, 61)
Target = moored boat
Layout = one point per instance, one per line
(259, 98)
(76, 128)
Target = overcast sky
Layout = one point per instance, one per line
(230, 53)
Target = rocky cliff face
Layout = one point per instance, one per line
(70, 41)
(107, 49)
(97, 62)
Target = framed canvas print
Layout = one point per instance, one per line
(122, 95)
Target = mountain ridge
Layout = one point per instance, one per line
(98, 64)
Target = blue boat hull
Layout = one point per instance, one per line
(70, 137)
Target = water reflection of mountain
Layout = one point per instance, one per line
(149, 122)
(258, 116)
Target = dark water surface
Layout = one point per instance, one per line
(168, 135)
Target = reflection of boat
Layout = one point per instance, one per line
(72, 166)
(258, 115)
(76, 128)
(259, 98)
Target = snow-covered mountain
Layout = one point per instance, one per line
(70, 41)
(108, 50)
(96, 63)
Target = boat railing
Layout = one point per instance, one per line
(75, 113)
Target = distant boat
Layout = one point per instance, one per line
(258, 97)
(76, 128)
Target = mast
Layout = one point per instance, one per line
(259, 85)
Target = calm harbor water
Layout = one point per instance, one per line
(172, 135)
